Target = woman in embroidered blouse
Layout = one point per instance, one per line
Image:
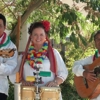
(78, 69)
(41, 53)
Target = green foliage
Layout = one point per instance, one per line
(83, 39)
(11, 92)
(74, 39)
(64, 21)
(72, 54)
(92, 37)
(68, 89)
(93, 8)
(92, 3)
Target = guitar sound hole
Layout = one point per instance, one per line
(97, 71)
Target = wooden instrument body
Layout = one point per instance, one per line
(79, 82)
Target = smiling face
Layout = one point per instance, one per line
(38, 37)
(2, 27)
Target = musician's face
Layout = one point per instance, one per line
(2, 27)
(97, 42)
(38, 37)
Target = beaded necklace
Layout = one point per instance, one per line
(35, 57)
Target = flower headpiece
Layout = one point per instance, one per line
(46, 24)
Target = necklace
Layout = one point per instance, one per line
(35, 57)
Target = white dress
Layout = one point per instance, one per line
(45, 66)
(78, 68)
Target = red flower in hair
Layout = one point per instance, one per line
(46, 24)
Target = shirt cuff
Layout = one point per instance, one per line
(61, 78)
(80, 71)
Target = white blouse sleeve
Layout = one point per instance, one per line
(62, 71)
(78, 65)
(8, 65)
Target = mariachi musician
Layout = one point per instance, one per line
(41, 53)
(8, 58)
(87, 72)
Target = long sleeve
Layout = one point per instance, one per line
(7, 65)
(78, 65)
(62, 69)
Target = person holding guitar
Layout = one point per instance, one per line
(8, 58)
(87, 73)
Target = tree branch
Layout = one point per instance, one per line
(32, 6)
(7, 6)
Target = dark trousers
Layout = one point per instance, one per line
(3, 96)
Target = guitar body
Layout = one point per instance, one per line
(81, 87)
(80, 82)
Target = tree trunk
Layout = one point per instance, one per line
(32, 6)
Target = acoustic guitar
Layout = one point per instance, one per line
(84, 87)
(6, 53)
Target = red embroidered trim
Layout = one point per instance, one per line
(3, 39)
(1, 35)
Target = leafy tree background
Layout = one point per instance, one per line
(70, 29)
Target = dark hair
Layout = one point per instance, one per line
(35, 25)
(96, 33)
(3, 18)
